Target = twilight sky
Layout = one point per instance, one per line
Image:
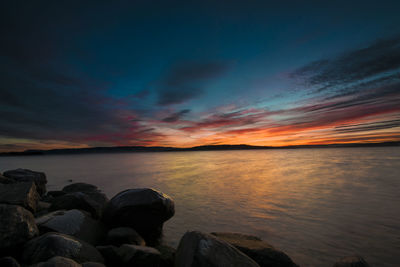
(186, 73)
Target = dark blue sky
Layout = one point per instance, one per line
(183, 73)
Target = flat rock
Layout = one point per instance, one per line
(22, 194)
(9, 262)
(72, 222)
(351, 261)
(260, 251)
(6, 180)
(25, 175)
(132, 255)
(92, 202)
(80, 187)
(58, 261)
(198, 249)
(144, 210)
(49, 245)
(17, 225)
(124, 235)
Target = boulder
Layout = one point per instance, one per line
(132, 255)
(17, 226)
(49, 245)
(167, 257)
(80, 187)
(24, 175)
(9, 262)
(351, 261)
(260, 251)
(72, 222)
(58, 261)
(5, 180)
(22, 194)
(92, 202)
(198, 249)
(144, 210)
(124, 235)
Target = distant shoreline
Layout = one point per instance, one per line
(135, 149)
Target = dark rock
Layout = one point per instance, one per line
(58, 261)
(132, 255)
(260, 251)
(93, 264)
(124, 235)
(73, 222)
(92, 202)
(351, 261)
(55, 193)
(145, 210)
(49, 245)
(167, 257)
(198, 249)
(22, 194)
(9, 262)
(42, 206)
(17, 226)
(5, 180)
(111, 255)
(80, 187)
(24, 175)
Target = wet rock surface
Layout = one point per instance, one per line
(199, 249)
(22, 194)
(144, 210)
(17, 226)
(50, 245)
(260, 251)
(25, 175)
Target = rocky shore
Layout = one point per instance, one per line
(80, 226)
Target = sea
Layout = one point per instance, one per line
(317, 205)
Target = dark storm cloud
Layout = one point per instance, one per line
(176, 116)
(186, 81)
(380, 58)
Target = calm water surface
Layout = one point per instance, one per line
(315, 204)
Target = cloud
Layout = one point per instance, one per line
(186, 81)
(176, 116)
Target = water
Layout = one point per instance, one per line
(317, 205)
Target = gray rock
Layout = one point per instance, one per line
(80, 187)
(260, 251)
(93, 264)
(144, 210)
(9, 262)
(5, 180)
(24, 175)
(22, 194)
(198, 249)
(132, 255)
(351, 261)
(92, 202)
(124, 235)
(17, 226)
(73, 222)
(49, 245)
(58, 261)
(167, 257)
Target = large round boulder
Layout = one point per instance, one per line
(198, 249)
(143, 209)
(17, 225)
(260, 251)
(49, 245)
(25, 175)
(74, 222)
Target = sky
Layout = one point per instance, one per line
(189, 73)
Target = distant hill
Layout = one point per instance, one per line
(132, 149)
